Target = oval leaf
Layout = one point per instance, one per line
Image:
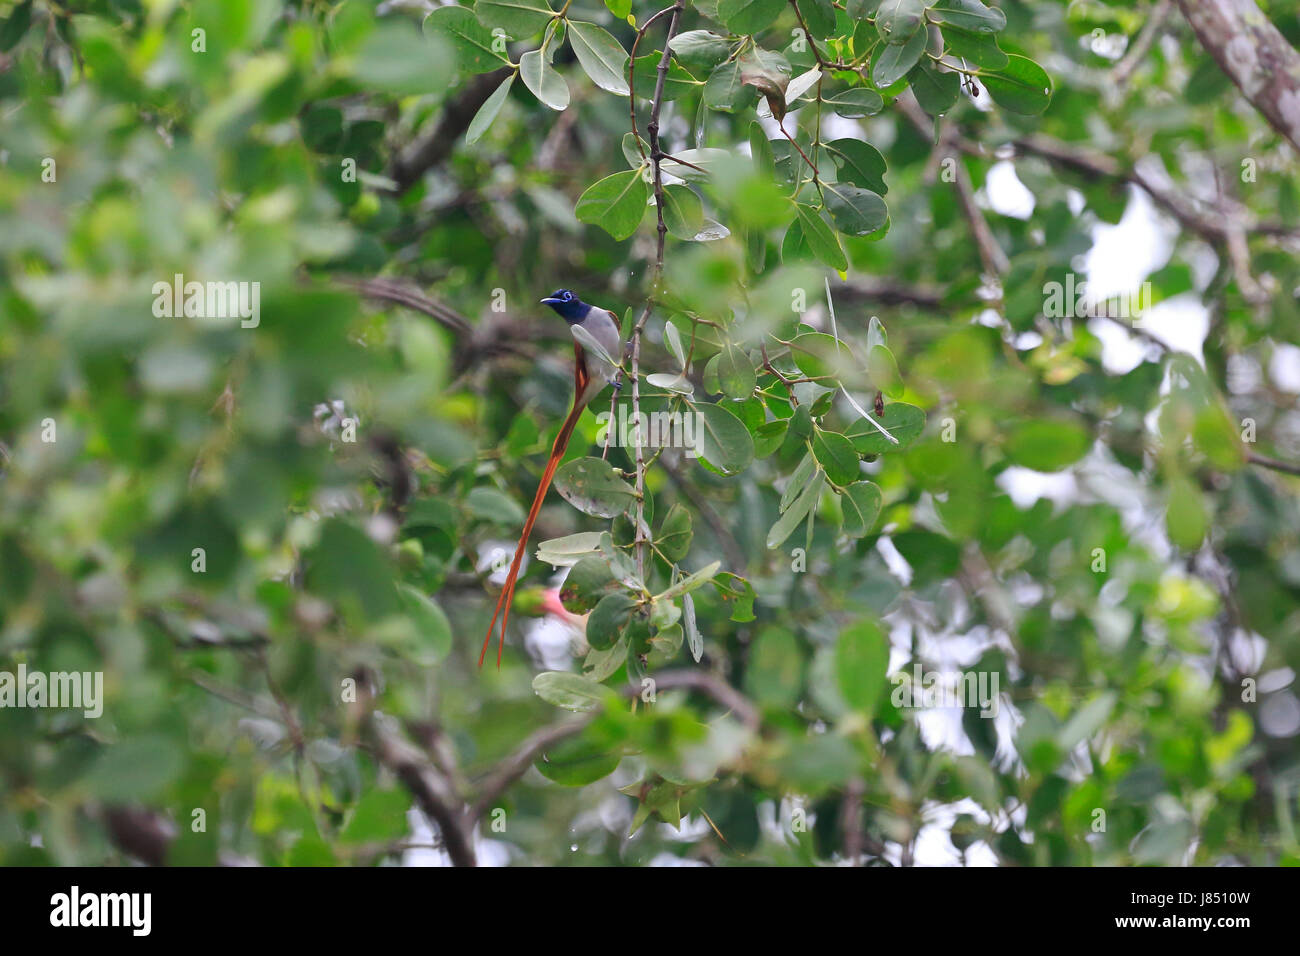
(600, 55)
(860, 503)
(539, 76)
(616, 203)
(722, 439)
(594, 487)
(569, 691)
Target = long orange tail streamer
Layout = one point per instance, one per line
(581, 378)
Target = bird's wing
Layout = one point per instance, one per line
(604, 326)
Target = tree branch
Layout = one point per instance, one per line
(1286, 467)
(991, 255)
(433, 790)
(516, 765)
(1254, 55)
(1142, 45)
(434, 149)
(656, 157)
(404, 294)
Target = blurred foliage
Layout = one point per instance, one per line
(350, 467)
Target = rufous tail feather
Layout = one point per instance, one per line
(504, 600)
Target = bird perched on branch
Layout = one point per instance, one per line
(597, 348)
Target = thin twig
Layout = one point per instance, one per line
(1142, 45)
(516, 765)
(1286, 467)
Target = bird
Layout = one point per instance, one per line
(591, 373)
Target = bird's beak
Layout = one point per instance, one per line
(550, 301)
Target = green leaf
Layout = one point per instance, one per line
(492, 504)
(876, 334)
(1046, 444)
(577, 761)
(671, 382)
(601, 56)
(689, 583)
(349, 568)
(700, 50)
(760, 149)
(539, 75)
(569, 691)
(594, 487)
(856, 103)
(707, 159)
(673, 342)
(725, 90)
(803, 472)
(820, 16)
(893, 62)
(616, 203)
(735, 371)
(774, 672)
(968, 15)
(518, 18)
(1186, 517)
(137, 768)
(821, 355)
(855, 211)
(620, 8)
(861, 504)
(432, 628)
(837, 455)
(899, 20)
(683, 212)
(883, 370)
(488, 111)
(600, 665)
(471, 40)
(904, 422)
(859, 163)
(397, 59)
(589, 580)
(936, 92)
(800, 88)
(980, 49)
(674, 539)
(816, 762)
(1087, 720)
(677, 83)
(694, 640)
(15, 26)
(722, 440)
(769, 437)
(608, 618)
(823, 242)
(567, 551)
(1021, 86)
(861, 663)
(380, 815)
(749, 16)
(798, 510)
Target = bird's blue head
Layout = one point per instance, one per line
(567, 303)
